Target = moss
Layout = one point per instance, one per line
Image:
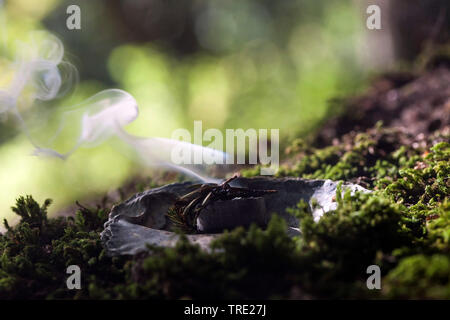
(236, 268)
(36, 252)
(374, 158)
(438, 227)
(428, 181)
(403, 226)
(420, 277)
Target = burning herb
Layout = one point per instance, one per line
(184, 213)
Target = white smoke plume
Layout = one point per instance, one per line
(39, 75)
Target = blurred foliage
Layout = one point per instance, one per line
(233, 64)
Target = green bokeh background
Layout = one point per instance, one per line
(231, 64)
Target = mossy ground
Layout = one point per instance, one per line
(403, 226)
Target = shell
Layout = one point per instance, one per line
(142, 220)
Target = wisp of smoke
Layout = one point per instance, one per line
(39, 74)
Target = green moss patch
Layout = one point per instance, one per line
(403, 227)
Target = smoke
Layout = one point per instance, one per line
(39, 74)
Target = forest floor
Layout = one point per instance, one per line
(394, 140)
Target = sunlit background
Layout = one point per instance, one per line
(231, 64)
